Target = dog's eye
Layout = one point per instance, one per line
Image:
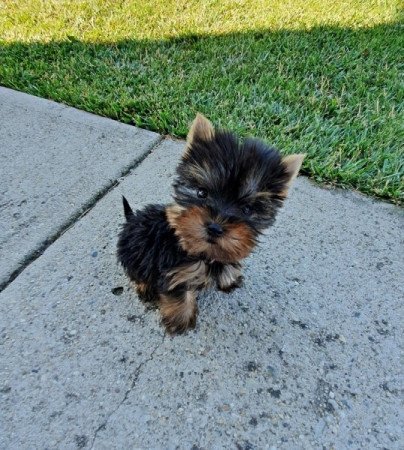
(246, 210)
(202, 193)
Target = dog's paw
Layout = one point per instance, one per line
(175, 326)
(231, 287)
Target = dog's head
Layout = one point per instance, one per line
(227, 192)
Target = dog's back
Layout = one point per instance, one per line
(147, 246)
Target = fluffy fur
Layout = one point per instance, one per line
(226, 193)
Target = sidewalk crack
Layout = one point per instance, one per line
(135, 377)
(83, 211)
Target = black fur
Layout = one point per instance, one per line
(148, 247)
(234, 171)
(127, 209)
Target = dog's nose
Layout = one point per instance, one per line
(214, 230)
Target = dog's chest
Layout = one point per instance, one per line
(195, 275)
(201, 275)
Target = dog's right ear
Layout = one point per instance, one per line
(201, 130)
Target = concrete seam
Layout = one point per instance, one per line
(87, 207)
(135, 377)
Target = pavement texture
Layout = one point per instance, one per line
(305, 355)
(55, 162)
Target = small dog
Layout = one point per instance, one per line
(225, 194)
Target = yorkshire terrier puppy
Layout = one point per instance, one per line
(226, 193)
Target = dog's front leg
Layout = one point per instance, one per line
(230, 277)
(178, 310)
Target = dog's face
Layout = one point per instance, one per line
(227, 192)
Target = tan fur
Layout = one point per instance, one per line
(292, 163)
(283, 194)
(189, 225)
(193, 275)
(237, 243)
(140, 288)
(173, 212)
(199, 172)
(143, 291)
(265, 195)
(228, 277)
(201, 128)
(178, 314)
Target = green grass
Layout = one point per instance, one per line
(325, 80)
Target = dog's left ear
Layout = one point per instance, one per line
(201, 129)
(292, 164)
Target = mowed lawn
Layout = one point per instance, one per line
(324, 78)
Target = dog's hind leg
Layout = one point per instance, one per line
(143, 290)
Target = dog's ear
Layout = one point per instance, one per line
(291, 164)
(201, 129)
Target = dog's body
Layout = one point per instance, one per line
(226, 193)
(155, 261)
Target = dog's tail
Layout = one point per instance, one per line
(127, 209)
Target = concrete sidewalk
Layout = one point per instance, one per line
(55, 162)
(305, 355)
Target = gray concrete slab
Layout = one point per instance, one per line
(54, 161)
(305, 355)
